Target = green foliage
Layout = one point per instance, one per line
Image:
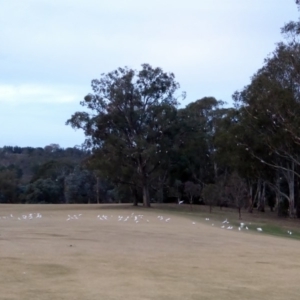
(194, 142)
(212, 194)
(42, 191)
(79, 187)
(192, 190)
(30, 161)
(9, 179)
(52, 169)
(35, 175)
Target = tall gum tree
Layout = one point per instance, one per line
(196, 125)
(128, 126)
(271, 105)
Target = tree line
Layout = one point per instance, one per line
(142, 147)
(244, 156)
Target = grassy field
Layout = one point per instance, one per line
(145, 257)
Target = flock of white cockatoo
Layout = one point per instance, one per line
(140, 218)
(136, 218)
(22, 217)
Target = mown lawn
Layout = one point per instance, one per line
(166, 252)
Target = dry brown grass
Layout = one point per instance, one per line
(51, 258)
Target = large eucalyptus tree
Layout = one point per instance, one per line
(129, 124)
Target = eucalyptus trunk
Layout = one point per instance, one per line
(290, 177)
(292, 198)
(146, 196)
(135, 196)
(98, 196)
(263, 198)
(250, 198)
(145, 184)
(277, 193)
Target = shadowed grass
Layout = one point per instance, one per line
(280, 231)
(269, 222)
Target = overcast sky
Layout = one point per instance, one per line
(50, 51)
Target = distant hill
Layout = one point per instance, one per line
(28, 160)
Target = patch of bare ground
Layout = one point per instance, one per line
(89, 258)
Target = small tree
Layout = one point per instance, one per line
(211, 194)
(192, 190)
(237, 190)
